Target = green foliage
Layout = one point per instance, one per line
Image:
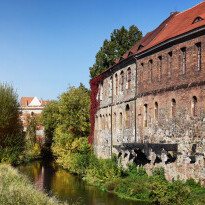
(50, 116)
(70, 128)
(101, 170)
(121, 40)
(134, 172)
(74, 111)
(31, 130)
(12, 140)
(169, 193)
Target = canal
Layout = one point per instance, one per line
(57, 182)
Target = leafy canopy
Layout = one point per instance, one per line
(71, 126)
(50, 116)
(12, 139)
(121, 40)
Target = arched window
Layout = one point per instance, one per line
(100, 122)
(109, 121)
(173, 108)
(197, 19)
(96, 122)
(128, 78)
(32, 114)
(110, 87)
(127, 116)
(116, 84)
(145, 115)
(156, 111)
(120, 120)
(103, 122)
(101, 91)
(198, 46)
(194, 106)
(122, 80)
(114, 121)
(150, 66)
(183, 50)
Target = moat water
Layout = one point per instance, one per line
(57, 182)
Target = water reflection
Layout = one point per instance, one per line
(67, 187)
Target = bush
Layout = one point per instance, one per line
(12, 139)
(101, 170)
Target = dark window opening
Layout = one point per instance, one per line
(198, 46)
(197, 19)
(183, 60)
(141, 158)
(160, 67)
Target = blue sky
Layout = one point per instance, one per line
(47, 45)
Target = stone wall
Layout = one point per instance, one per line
(163, 107)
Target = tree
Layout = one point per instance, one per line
(50, 116)
(73, 127)
(12, 139)
(121, 40)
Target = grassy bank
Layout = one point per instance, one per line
(16, 189)
(134, 183)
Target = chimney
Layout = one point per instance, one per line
(171, 13)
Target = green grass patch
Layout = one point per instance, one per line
(17, 189)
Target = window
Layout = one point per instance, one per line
(127, 116)
(150, 66)
(160, 67)
(120, 120)
(198, 46)
(114, 121)
(142, 72)
(194, 106)
(169, 64)
(128, 78)
(122, 80)
(106, 122)
(32, 114)
(173, 108)
(109, 122)
(156, 111)
(101, 91)
(100, 123)
(110, 87)
(96, 122)
(197, 19)
(116, 84)
(145, 115)
(183, 60)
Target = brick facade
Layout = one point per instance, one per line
(151, 103)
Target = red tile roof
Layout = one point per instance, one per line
(26, 100)
(175, 25)
(180, 24)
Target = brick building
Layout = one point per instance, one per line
(149, 107)
(31, 106)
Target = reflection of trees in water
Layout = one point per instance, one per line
(66, 186)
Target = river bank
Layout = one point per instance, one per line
(133, 182)
(58, 182)
(15, 188)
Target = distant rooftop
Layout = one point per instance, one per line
(32, 101)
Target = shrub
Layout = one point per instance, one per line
(12, 140)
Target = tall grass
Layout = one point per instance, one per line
(17, 189)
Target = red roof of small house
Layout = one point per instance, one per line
(44, 102)
(26, 100)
